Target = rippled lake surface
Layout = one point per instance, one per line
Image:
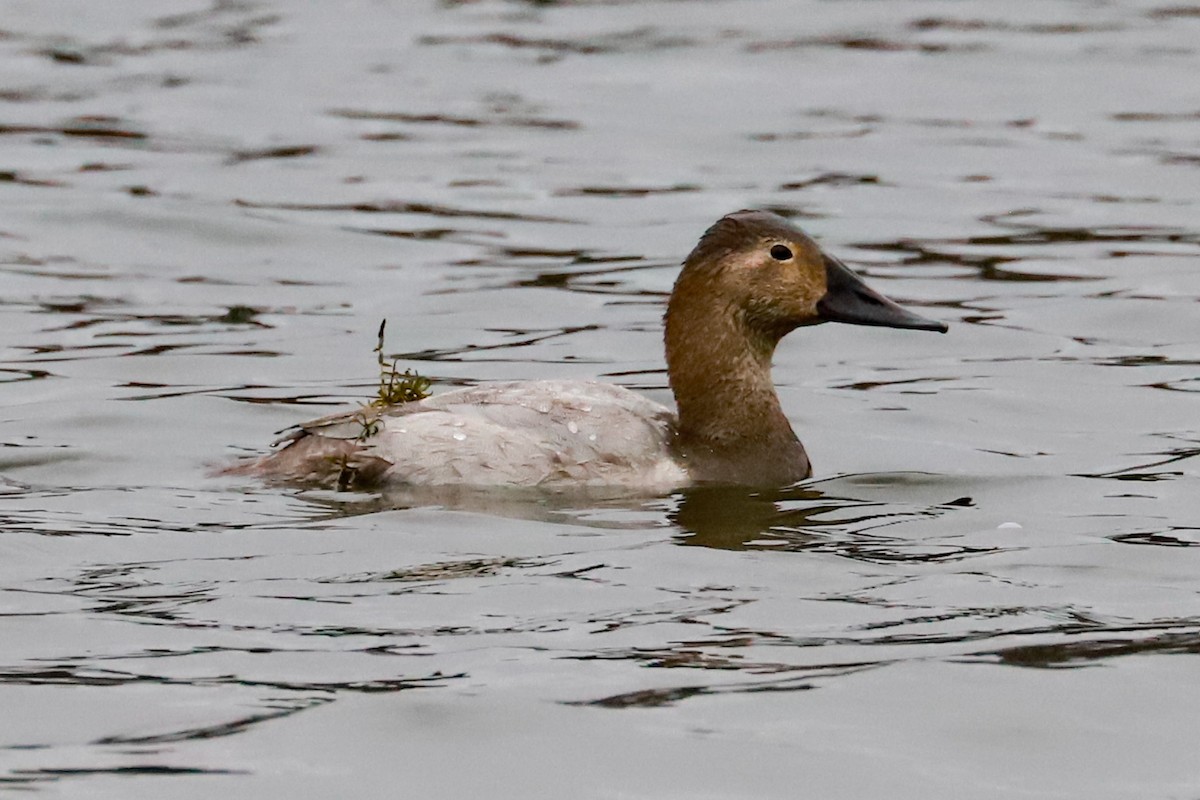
(991, 587)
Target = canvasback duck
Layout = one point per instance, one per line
(752, 279)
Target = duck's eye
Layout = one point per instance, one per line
(781, 252)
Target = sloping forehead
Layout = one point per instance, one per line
(766, 225)
(746, 229)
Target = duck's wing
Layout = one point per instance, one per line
(535, 433)
(519, 433)
(363, 423)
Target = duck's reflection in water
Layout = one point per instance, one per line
(845, 516)
(722, 517)
(735, 518)
(851, 515)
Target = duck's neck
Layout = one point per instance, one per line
(732, 428)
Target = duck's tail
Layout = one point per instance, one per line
(314, 461)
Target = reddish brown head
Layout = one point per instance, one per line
(752, 279)
(774, 278)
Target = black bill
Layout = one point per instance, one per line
(848, 299)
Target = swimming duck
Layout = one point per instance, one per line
(752, 279)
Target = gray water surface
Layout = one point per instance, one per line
(990, 589)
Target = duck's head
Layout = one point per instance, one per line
(774, 278)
